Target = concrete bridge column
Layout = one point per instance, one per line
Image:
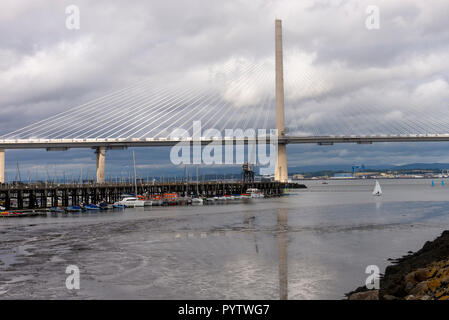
(281, 173)
(2, 165)
(101, 159)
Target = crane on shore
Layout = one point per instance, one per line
(361, 167)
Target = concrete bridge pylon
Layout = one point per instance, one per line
(281, 172)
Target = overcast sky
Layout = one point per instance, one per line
(340, 76)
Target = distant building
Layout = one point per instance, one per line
(365, 174)
(342, 175)
(298, 177)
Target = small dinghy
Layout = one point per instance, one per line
(104, 206)
(92, 207)
(57, 210)
(74, 209)
(377, 190)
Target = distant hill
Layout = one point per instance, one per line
(425, 166)
(211, 172)
(348, 168)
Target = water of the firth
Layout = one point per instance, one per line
(314, 244)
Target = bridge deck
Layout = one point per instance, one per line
(63, 144)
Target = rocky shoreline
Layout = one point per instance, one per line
(423, 275)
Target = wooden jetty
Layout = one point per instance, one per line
(33, 196)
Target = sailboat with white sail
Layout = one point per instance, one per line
(377, 190)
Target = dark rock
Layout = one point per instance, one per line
(366, 295)
(390, 297)
(420, 289)
(392, 283)
(422, 275)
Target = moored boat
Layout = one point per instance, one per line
(92, 207)
(7, 214)
(157, 200)
(197, 201)
(254, 193)
(170, 199)
(74, 209)
(131, 202)
(146, 201)
(105, 206)
(184, 200)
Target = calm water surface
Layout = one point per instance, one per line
(313, 244)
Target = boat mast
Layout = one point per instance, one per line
(135, 174)
(197, 181)
(18, 178)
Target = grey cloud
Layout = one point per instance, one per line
(340, 76)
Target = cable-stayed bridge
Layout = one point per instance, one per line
(235, 97)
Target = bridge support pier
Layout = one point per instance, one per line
(101, 159)
(2, 165)
(281, 173)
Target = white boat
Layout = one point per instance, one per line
(377, 190)
(254, 193)
(137, 202)
(132, 202)
(197, 201)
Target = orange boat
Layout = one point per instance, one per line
(170, 198)
(9, 214)
(157, 200)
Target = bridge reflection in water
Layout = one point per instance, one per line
(282, 237)
(282, 219)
